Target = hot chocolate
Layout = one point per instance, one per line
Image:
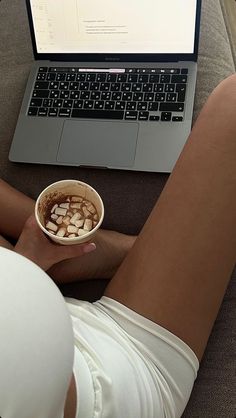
(71, 216)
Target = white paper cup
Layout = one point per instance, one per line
(64, 188)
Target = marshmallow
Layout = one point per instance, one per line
(52, 226)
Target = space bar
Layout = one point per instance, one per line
(97, 114)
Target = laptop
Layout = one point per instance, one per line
(112, 85)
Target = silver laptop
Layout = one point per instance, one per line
(113, 83)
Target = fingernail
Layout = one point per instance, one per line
(89, 247)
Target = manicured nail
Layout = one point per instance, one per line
(89, 247)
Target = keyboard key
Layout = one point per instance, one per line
(148, 87)
(131, 105)
(36, 102)
(91, 77)
(127, 96)
(74, 85)
(52, 112)
(143, 78)
(54, 85)
(74, 95)
(154, 78)
(136, 87)
(94, 86)
(41, 85)
(68, 103)
(106, 95)
(57, 103)
(148, 97)
(105, 87)
(47, 103)
(115, 86)
(154, 118)
(54, 94)
(137, 97)
(43, 111)
(116, 95)
(160, 97)
(122, 78)
(61, 77)
(142, 106)
(165, 78)
(177, 119)
(171, 97)
(95, 95)
(111, 78)
(184, 71)
(84, 85)
(169, 88)
(64, 85)
(41, 76)
(159, 88)
(143, 115)
(97, 114)
(180, 88)
(64, 94)
(33, 111)
(166, 116)
(70, 77)
(179, 78)
(181, 97)
(81, 77)
(43, 69)
(101, 77)
(85, 95)
(130, 115)
(88, 104)
(132, 78)
(153, 106)
(44, 94)
(172, 107)
(126, 87)
(64, 113)
(99, 104)
(78, 104)
(109, 105)
(120, 105)
(51, 77)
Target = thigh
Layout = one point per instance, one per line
(178, 269)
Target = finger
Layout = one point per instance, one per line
(77, 250)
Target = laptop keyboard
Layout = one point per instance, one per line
(142, 94)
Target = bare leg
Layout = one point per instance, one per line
(111, 249)
(177, 272)
(14, 210)
(6, 244)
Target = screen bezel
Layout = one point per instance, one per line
(128, 57)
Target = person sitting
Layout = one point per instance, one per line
(135, 352)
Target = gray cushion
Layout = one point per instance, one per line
(214, 392)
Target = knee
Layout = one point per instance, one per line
(227, 87)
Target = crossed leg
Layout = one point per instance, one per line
(112, 246)
(177, 272)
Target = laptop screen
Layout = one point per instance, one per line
(114, 26)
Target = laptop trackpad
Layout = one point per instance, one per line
(98, 143)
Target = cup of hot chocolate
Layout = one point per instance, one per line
(69, 212)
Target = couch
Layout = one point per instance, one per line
(214, 393)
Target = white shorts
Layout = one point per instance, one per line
(126, 366)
